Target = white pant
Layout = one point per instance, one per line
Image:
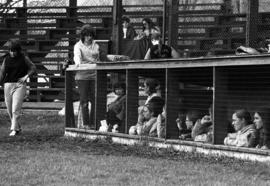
(14, 95)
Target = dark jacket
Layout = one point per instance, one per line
(131, 33)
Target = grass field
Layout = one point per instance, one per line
(42, 156)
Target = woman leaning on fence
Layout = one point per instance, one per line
(15, 70)
(262, 123)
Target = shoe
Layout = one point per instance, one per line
(13, 133)
(115, 128)
(18, 131)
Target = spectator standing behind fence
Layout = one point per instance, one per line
(245, 135)
(261, 121)
(149, 28)
(86, 51)
(159, 50)
(128, 30)
(15, 71)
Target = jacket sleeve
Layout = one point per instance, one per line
(77, 55)
(2, 72)
(148, 125)
(252, 139)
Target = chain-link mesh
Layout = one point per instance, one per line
(50, 28)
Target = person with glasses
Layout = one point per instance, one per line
(15, 70)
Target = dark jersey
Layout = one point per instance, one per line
(163, 52)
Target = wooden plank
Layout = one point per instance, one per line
(220, 98)
(251, 24)
(172, 101)
(132, 101)
(173, 23)
(100, 97)
(179, 63)
(69, 110)
(117, 26)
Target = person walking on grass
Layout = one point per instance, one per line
(15, 70)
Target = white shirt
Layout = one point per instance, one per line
(86, 54)
(125, 32)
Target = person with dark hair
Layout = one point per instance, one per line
(151, 88)
(86, 51)
(159, 50)
(203, 128)
(116, 110)
(261, 121)
(128, 30)
(149, 27)
(245, 135)
(181, 122)
(14, 72)
(192, 117)
(150, 113)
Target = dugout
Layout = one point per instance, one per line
(228, 83)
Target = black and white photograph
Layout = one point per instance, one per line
(134, 92)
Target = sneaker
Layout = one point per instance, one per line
(18, 131)
(13, 133)
(115, 128)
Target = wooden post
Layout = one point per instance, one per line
(24, 3)
(72, 3)
(173, 23)
(69, 110)
(220, 84)
(71, 14)
(251, 24)
(132, 98)
(164, 15)
(117, 26)
(101, 97)
(171, 101)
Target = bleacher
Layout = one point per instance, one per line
(48, 35)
